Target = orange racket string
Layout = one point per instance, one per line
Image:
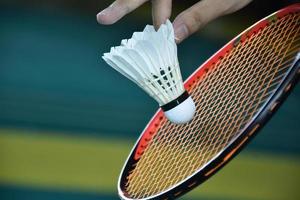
(227, 97)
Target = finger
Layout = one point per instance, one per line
(117, 10)
(161, 11)
(192, 19)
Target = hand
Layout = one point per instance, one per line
(185, 24)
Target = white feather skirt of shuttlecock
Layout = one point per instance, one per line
(150, 60)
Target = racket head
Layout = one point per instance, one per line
(216, 161)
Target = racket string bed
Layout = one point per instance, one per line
(227, 96)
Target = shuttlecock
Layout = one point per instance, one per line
(149, 59)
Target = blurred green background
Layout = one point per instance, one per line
(68, 121)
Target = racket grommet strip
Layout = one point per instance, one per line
(238, 96)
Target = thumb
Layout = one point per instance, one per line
(195, 17)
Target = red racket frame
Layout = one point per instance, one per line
(236, 146)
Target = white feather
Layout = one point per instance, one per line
(149, 59)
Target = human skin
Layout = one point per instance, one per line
(185, 24)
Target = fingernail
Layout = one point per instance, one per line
(181, 32)
(101, 14)
(104, 14)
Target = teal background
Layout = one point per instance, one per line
(54, 83)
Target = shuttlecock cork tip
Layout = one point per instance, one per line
(181, 110)
(149, 59)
